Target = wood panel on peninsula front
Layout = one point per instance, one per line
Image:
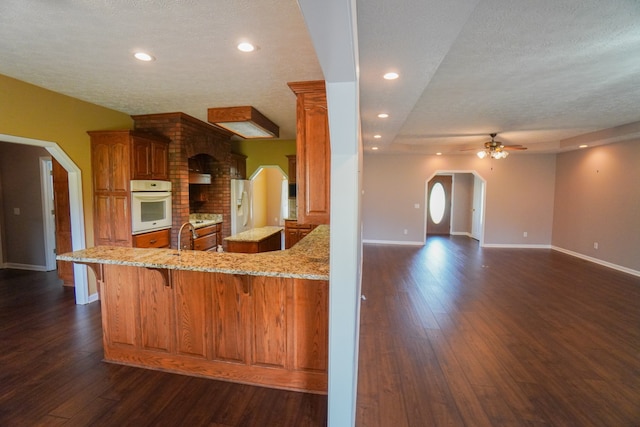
(258, 319)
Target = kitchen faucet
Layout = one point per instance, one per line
(193, 234)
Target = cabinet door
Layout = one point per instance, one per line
(121, 220)
(160, 161)
(230, 317)
(310, 324)
(112, 221)
(101, 164)
(313, 149)
(102, 227)
(192, 293)
(268, 326)
(119, 299)
(141, 159)
(156, 309)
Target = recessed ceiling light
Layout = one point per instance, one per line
(246, 47)
(377, 136)
(438, 154)
(142, 56)
(383, 115)
(583, 146)
(391, 76)
(374, 148)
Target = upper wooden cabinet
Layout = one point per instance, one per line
(238, 166)
(117, 157)
(292, 168)
(313, 149)
(150, 158)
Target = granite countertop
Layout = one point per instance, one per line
(255, 234)
(199, 220)
(308, 259)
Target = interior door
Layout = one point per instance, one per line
(62, 220)
(439, 205)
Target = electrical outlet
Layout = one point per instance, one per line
(595, 245)
(525, 234)
(416, 205)
(406, 231)
(16, 211)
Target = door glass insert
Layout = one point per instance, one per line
(437, 203)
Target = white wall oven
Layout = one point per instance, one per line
(150, 205)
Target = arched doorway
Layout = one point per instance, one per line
(75, 205)
(269, 196)
(458, 207)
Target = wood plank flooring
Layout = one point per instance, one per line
(455, 335)
(51, 373)
(451, 335)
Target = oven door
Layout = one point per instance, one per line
(150, 211)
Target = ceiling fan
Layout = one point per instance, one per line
(495, 149)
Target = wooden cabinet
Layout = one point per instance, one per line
(313, 166)
(154, 239)
(271, 242)
(292, 160)
(269, 331)
(138, 309)
(150, 159)
(238, 166)
(117, 157)
(294, 232)
(208, 238)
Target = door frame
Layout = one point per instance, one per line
(453, 172)
(75, 204)
(49, 227)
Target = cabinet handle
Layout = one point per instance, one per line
(152, 241)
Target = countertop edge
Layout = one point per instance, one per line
(308, 259)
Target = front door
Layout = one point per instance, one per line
(439, 205)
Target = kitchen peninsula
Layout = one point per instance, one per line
(258, 319)
(263, 239)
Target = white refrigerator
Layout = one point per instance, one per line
(241, 209)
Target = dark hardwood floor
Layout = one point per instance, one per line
(451, 335)
(51, 373)
(455, 335)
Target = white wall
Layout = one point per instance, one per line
(519, 196)
(597, 199)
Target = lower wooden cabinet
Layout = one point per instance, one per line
(208, 238)
(154, 239)
(294, 232)
(268, 331)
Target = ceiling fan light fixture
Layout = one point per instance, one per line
(493, 149)
(246, 122)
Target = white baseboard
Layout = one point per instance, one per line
(393, 242)
(515, 246)
(94, 297)
(597, 261)
(17, 266)
(519, 246)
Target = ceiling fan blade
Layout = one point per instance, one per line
(514, 147)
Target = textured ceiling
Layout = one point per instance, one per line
(545, 74)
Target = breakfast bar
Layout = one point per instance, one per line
(258, 319)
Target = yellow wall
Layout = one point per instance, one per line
(265, 153)
(33, 112)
